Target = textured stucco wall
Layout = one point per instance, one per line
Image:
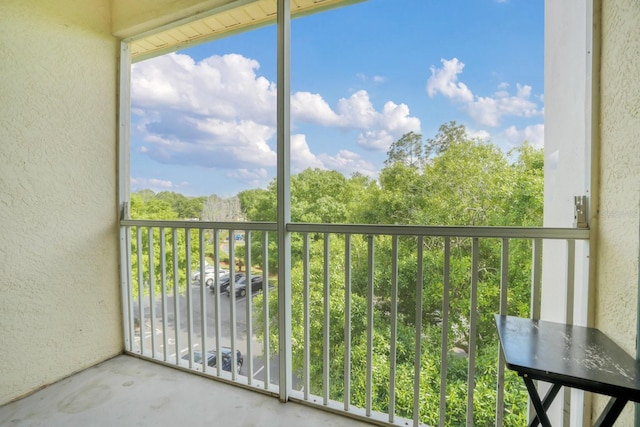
(620, 176)
(59, 283)
(618, 233)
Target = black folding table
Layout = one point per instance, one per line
(571, 356)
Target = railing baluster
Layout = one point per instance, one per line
(571, 271)
(187, 233)
(347, 322)
(418, 335)
(216, 290)
(163, 289)
(394, 328)
(326, 347)
(536, 279)
(140, 262)
(249, 305)
(445, 330)
(176, 294)
(152, 292)
(473, 324)
(127, 265)
(504, 280)
(203, 303)
(536, 295)
(370, 287)
(265, 309)
(232, 301)
(307, 314)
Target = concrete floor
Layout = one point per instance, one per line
(127, 391)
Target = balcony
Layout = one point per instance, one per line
(340, 359)
(60, 305)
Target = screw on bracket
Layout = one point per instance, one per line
(580, 212)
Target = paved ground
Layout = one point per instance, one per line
(179, 344)
(127, 391)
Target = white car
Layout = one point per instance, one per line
(209, 274)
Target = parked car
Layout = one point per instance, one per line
(224, 282)
(241, 285)
(211, 358)
(209, 274)
(195, 271)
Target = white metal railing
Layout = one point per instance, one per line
(168, 318)
(338, 350)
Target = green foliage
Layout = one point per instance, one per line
(448, 134)
(145, 204)
(317, 196)
(469, 184)
(258, 204)
(407, 151)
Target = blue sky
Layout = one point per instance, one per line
(203, 119)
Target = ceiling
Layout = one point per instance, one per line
(238, 16)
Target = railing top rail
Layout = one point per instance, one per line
(442, 231)
(378, 229)
(239, 226)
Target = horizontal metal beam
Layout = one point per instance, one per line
(439, 231)
(239, 226)
(377, 229)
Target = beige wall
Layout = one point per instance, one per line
(619, 226)
(59, 283)
(620, 172)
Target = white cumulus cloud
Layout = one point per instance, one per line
(378, 129)
(487, 110)
(345, 161)
(252, 177)
(214, 113)
(154, 184)
(311, 107)
(533, 134)
(220, 113)
(301, 156)
(445, 81)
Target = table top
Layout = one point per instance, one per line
(573, 356)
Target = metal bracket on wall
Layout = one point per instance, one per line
(124, 211)
(580, 212)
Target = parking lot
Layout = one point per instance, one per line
(155, 327)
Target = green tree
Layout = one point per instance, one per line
(468, 184)
(448, 133)
(179, 206)
(259, 204)
(403, 196)
(317, 196)
(145, 207)
(408, 150)
(526, 199)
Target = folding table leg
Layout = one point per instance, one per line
(540, 406)
(610, 412)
